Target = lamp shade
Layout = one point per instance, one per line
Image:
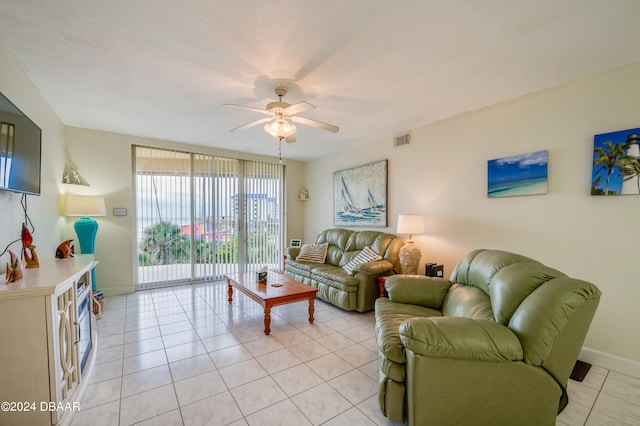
(78, 205)
(410, 224)
(280, 129)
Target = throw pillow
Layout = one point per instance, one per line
(366, 255)
(314, 253)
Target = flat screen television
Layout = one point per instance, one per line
(20, 150)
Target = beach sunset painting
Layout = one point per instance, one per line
(524, 174)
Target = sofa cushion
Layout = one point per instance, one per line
(338, 297)
(337, 239)
(513, 284)
(389, 317)
(300, 268)
(334, 276)
(417, 290)
(460, 338)
(366, 255)
(314, 253)
(467, 301)
(479, 266)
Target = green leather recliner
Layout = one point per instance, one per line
(494, 345)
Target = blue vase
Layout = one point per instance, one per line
(86, 229)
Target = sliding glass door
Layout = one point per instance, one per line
(200, 216)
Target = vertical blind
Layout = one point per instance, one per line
(200, 216)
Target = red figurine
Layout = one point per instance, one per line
(28, 249)
(64, 250)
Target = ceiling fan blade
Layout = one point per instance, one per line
(299, 107)
(252, 124)
(290, 139)
(315, 123)
(260, 110)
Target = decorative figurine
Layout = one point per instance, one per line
(30, 257)
(28, 249)
(27, 239)
(76, 177)
(64, 250)
(15, 270)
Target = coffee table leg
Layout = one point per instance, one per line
(267, 320)
(311, 301)
(229, 292)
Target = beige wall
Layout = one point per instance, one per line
(442, 175)
(44, 210)
(104, 160)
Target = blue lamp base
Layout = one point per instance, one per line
(86, 229)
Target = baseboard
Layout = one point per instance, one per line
(611, 362)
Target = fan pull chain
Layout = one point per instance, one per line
(280, 150)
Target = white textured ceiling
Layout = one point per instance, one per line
(375, 68)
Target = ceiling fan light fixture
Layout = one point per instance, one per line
(279, 113)
(280, 129)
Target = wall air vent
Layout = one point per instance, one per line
(402, 140)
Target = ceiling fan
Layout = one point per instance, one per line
(280, 113)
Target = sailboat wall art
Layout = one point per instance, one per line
(360, 196)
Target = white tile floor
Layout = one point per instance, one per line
(183, 356)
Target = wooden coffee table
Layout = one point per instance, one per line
(278, 290)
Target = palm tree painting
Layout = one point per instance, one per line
(616, 163)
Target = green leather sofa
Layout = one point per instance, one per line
(359, 290)
(494, 345)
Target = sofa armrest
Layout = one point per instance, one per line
(377, 267)
(293, 252)
(460, 338)
(417, 290)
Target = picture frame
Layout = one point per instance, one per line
(360, 196)
(523, 174)
(295, 242)
(616, 163)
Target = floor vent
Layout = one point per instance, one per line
(402, 140)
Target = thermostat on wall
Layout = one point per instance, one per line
(120, 211)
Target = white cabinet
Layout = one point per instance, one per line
(66, 359)
(40, 373)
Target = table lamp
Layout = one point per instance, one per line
(409, 253)
(86, 228)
